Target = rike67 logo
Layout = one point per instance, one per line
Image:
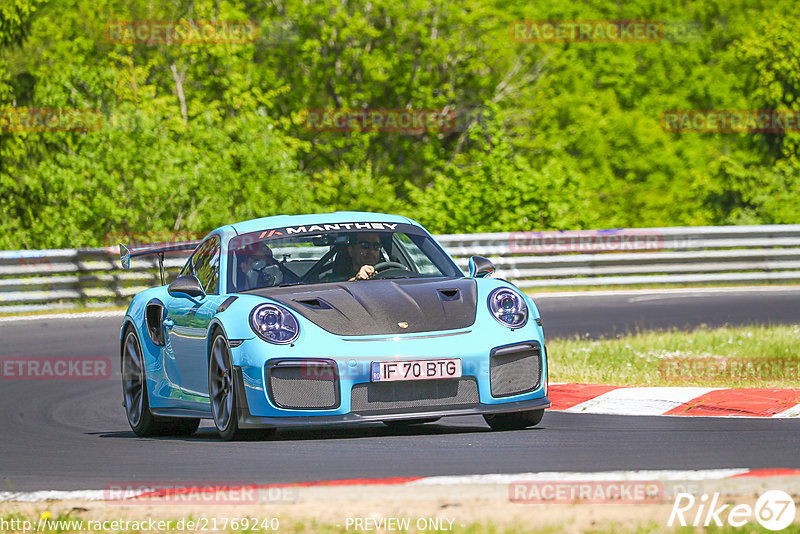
(774, 510)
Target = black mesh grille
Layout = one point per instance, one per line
(515, 369)
(418, 395)
(306, 386)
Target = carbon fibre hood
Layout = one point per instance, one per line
(374, 307)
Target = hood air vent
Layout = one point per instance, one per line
(315, 303)
(449, 294)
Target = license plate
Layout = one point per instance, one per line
(416, 370)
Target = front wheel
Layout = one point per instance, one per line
(514, 420)
(222, 393)
(136, 402)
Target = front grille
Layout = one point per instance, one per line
(303, 385)
(515, 369)
(414, 396)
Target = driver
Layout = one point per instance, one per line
(365, 251)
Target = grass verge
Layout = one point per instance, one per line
(751, 356)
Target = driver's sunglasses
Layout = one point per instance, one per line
(376, 245)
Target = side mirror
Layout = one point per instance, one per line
(186, 285)
(480, 267)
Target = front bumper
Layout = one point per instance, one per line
(483, 400)
(248, 420)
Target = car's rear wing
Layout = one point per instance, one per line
(125, 253)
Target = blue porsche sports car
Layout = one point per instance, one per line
(331, 318)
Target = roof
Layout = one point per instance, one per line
(281, 221)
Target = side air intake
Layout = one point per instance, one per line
(515, 369)
(303, 384)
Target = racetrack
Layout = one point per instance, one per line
(599, 313)
(73, 434)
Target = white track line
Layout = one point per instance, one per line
(639, 401)
(665, 291)
(496, 479)
(709, 474)
(50, 316)
(38, 496)
(794, 411)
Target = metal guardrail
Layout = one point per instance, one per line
(53, 279)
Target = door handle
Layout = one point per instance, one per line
(169, 323)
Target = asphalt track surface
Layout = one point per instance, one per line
(66, 435)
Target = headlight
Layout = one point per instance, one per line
(274, 324)
(508, 307)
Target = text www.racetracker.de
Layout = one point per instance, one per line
(201, 524)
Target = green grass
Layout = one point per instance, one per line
(673, 357)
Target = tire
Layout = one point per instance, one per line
(514, 420)
(223, 395)
(136, 400)
(405, 423)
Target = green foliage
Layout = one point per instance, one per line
(492, 188)
(548, 135)
(15, 16)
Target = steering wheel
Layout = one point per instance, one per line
(385, 265)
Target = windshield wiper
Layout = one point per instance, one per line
(292, 284)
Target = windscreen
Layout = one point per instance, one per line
(323, 253)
